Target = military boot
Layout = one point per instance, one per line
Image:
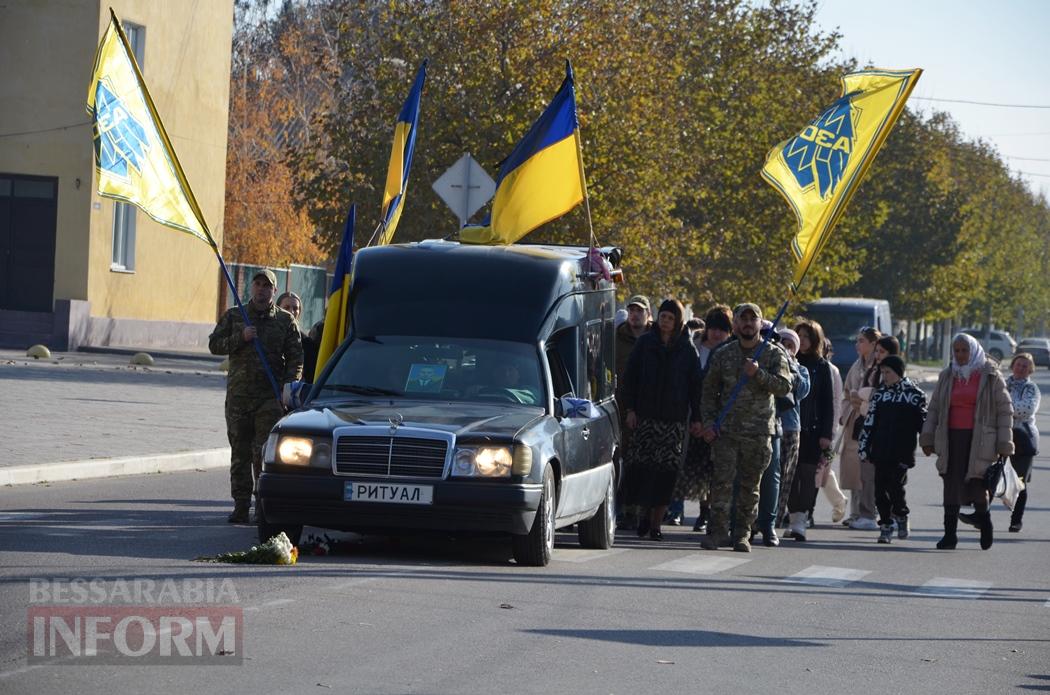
(239, 515)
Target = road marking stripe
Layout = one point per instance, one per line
(821, 575)
(953, 588)
(271, 604)
(704, 563)
(581, 555)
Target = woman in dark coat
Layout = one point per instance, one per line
(817, 421)
(661, 392)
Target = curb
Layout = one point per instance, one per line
(105, 468)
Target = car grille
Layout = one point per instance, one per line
(391, 456)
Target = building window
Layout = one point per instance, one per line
(123, 237)
(136, 34)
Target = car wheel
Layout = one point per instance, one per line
(996, 354)
(268, 531)
(600, 530)
(534, 548)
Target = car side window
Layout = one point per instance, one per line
(559, 375)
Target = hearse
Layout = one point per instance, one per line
(473, 394)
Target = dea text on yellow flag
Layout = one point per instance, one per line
(819, 170)
(133, 155)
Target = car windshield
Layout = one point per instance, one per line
(840, 323)
(444, 369)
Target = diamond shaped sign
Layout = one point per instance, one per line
(465, 187)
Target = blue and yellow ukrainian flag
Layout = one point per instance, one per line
(542, 179)
(401, 158)
(819, 170)
(335, 323)
(133, 155)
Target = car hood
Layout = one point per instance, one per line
(460, 419)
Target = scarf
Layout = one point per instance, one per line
(977, 358)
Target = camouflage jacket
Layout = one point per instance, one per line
(753, 412)
(281, 343)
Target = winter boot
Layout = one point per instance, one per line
(903, 528)
(1018, 512)
(886, 533)
(985, 524)
(797, 529)
(239, 515)
(951, 527)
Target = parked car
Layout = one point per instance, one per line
(843, 317)
(447, 407)
(1038, 348)
(997, 344)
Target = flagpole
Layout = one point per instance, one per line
(583, 184)
(248, 324)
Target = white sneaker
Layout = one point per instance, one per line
(864, 524)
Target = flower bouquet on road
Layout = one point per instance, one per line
(276, 551)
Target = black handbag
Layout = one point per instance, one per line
(992, 475)
(1025, 442)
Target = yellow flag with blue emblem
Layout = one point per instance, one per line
(542, 179)
(133, 155)
(819, 170)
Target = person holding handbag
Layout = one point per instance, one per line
(1024, 395)
(968, 426)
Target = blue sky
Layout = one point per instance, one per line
(992, 51)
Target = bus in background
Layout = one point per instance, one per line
(843, 317)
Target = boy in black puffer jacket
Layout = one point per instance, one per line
(895, 416)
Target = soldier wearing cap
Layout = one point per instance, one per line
(252, 408)
(741, 447)
(639, 321)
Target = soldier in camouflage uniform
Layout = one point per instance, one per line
(252, 408)
(742, 446)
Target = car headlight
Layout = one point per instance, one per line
(295, 451)
(483, 462)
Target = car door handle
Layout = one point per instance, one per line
(586, 432)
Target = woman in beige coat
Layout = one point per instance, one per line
(857, 477)
(968, 426)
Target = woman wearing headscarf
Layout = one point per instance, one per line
(968, 426)
(661, 393)
(1025, 397)
(856, 476)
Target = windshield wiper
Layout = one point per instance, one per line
(363, 390)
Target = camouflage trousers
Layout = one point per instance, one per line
(740, 459)
(248, 424)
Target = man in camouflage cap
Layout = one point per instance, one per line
(741, 446)
(252, 408)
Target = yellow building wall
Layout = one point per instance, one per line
(187, 70)
(46, 52)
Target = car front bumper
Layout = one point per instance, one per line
(458, 505)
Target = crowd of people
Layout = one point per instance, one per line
(747, 420)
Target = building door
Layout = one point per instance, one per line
(28, 218)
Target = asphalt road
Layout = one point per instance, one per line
(838, 614)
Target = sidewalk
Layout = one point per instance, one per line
(86, 415)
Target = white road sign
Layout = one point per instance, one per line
(465, 187)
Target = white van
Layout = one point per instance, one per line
(843, 317)
(996, 344)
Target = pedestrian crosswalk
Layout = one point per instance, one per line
(724, 565)
(819, 575)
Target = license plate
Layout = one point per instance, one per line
(391, 493)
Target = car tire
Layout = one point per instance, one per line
(268, 531)
(534, 548)
(599, 531)
(996, 354)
